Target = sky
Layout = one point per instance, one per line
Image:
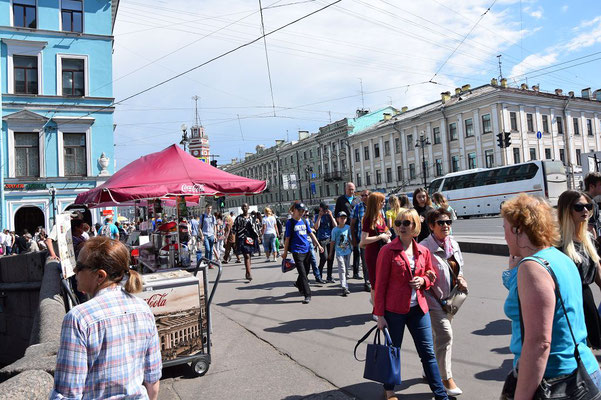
(351, 55)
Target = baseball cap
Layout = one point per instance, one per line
(300, 206)
(342, 214)
(323, 205)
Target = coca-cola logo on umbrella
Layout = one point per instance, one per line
(196, 188)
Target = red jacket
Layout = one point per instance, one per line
(392, 291)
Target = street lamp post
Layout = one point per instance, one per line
(422, 142)
(184, 142)
(309, 171)
(52, 192)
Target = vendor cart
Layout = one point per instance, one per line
(177, 298)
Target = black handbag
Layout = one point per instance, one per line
(577, 385)
(382, 361)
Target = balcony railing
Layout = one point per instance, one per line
(333, 176)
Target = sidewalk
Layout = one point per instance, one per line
(246, 367)
(491, 245)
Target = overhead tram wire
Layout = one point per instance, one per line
(210, 60)
(267, 56)
(460, 43)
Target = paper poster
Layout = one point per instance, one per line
(65, 244)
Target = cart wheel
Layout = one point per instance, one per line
(200, 367)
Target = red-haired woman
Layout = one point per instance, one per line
(375, 233)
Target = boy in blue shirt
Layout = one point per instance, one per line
(297, 236)
(341, 242)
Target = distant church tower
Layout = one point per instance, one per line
(199, 141)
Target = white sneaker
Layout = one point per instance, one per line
(454, 392)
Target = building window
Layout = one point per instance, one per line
(589, 127)
(578, 158)
(409, 141)
(532, 154)
(24, 13)
(516, 155)
(358, 179)
(530, 122)
(26, 74)
(562, 155)
(27, 155)
(73, 78)
(545, 124)
(454, 163)
(576, 127)
(489, 157)
(357, 155)
(397, 145)
(319, 152)
(453, 131)
(378, 177)
(305, 155)
(72, 15)
(560, 125)
(388, 175)
(310, 153)
(366, 153)
(387, 148)
(367, 179)
(548, 154)
(438, 167)
(513, 119)
(411, 171)
(486, 125)
(74, 150)
(376, 150)
(469, 127)
(436, 134)
(333, 147)
(399, 173)
(327, 190)
(471, 160)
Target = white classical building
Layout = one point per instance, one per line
(461, 132)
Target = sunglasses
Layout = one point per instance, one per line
(79, 266)
(404, 222)
(444, 222)
(578, 207)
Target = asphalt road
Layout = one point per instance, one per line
(485, 226)
(318, 338)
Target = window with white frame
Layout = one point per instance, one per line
(486, 125)
(72, 15)
(74, 152)
(24, 66)
(24, 13)
(27, 155)
(25, 70)
(73, 76)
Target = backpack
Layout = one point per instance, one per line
(105, 231)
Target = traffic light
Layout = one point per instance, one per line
(500, 141)
(222, 202)
(507, 138)
(214, 163)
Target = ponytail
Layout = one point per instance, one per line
(134, 282)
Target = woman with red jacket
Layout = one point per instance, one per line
(404, 271)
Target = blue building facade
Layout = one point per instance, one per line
(56, 103)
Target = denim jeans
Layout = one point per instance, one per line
(269, 243)
(421, 331)
(313, 260)
(209, 241)
(596, 377)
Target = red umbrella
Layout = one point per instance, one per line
(171, 172)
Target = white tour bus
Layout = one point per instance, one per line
(482, 191)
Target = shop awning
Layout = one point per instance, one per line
(170, 172)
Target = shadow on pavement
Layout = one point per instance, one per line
(301, 325)
(183, 371)
(501, 350)
(499, 327)
(497, 374)
(292, 297)
(366, 391)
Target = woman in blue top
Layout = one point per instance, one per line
(297, 236)
(547, 349)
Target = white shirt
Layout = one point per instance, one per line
(413, 292)
(2, 237)
(8, 239)
(269, 223)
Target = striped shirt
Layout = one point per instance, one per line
(109, 346)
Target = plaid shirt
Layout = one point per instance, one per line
(109, 346)
(358, 213)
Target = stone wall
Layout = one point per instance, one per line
(20, 281)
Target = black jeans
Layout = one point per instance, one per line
(359, 258)
(324, 257)
(303, 266)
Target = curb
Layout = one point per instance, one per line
(491, 249)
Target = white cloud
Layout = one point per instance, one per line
(586, 38)
(564, 8)
(538, 14)
(532, 62)
(386, 43)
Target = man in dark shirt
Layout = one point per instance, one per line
(21, 242)
(344, 202)
(592, 186)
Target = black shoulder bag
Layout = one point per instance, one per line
(577, 385)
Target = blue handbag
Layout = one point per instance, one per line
(382, 361)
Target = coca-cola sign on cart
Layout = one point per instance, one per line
(177, 300)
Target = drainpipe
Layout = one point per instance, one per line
(402, 164)
(446, 129)
(567, 145)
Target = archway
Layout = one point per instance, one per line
(29, 217)
(87, 215)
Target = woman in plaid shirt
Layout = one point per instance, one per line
(109, 345)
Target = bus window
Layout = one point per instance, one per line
(435, 186)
